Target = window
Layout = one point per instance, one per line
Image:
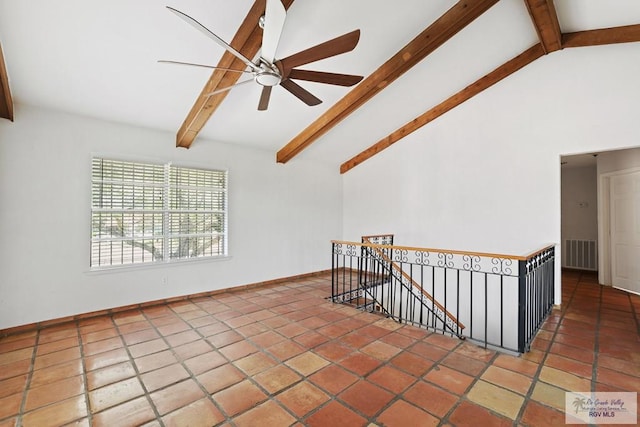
(145, 213)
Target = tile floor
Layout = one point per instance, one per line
(282, 355)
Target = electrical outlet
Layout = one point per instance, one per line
(165, 281)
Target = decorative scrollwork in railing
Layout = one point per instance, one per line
(502, 266)
(351, 250)
(401, 255)
(337, 248)
(422, 258)
(471, 262)
(445, 259)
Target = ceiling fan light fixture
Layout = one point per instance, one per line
(268, 78)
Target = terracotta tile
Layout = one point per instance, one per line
(9, 422)
(173, 328)
(102, 346)
(333, 331)
(391, 378)
(140, 337)
(113, 394)
(223, 339)
(617, 379)
(380, 350)
(449, 379)
(402, 414)
(366, 397)
(240, 397)
(275, 322)
(507, 379)
(109, 375)
(54, 392)
(569, 365)
(572, 352)
(356, 340)
(576, 341)
(412, 364)
(334, 379)
(285, 350)
(311, 339)
(56, 333)
(255, 363)
(334, 351)
(163, 377)
(266, 414)
(252, 329)
(302, 398)
(277, 378)
(52, 359)
(307, 363)
(220, 378)
(205, 362)
(445, 341)
(619, 365)
(430, 398)
(148, 347)
(291, 330)
(468, 414)
(10, 405)
(192, 349)
(212, 329)
(335, 414)
(127, 317)
(534, 356)
(13, 385)
(398, 340)
(155, 361)
(56, 372)
(57, 345)
(538, 415)
(108, 358)
(549, 395)
(129, 414)
(176, 396)
(267, 339)
(238, 350)
(564, 380)
(429, 351)
(464, 364)
(516, 364)
(360, 363)
(17, 342)
(57, 414)
(497, 399)
(104, 334)
(374, 331)
(202, 413)
(16, 355)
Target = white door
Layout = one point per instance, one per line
(625, 231)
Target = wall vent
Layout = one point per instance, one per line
(580, 254)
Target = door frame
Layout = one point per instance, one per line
(604, 223)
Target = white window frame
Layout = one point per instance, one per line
(204, 208)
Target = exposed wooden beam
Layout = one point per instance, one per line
(626, 34)
(455, 19)
(247, 41)
(6, 102)
(469, 92)
(545, 20)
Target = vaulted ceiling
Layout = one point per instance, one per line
(420, 59)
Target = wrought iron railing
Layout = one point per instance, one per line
(497, 300)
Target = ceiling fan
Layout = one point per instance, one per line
(269, 72)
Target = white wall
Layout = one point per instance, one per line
(281, 217)
(579, 203)
(486, 176)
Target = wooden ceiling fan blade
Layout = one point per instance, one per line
(264, 98)
(344, 43)
(274, 17)
(193, 64)
(204, 30)
(301, 93)
(225, 89)
(324, 77)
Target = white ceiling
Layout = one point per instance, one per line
(99, 58)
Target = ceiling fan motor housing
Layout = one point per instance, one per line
(268, 78)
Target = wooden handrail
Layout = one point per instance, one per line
(447, 251)
(417, 286)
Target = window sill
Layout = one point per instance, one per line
(153, 266)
